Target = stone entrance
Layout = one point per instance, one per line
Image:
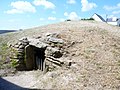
(38, 53)
(35, 58)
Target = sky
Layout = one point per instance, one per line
(23, 14)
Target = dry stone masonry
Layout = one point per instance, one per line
(38, 53)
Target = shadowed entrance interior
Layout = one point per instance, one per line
(34, 58)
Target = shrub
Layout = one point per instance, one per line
(68, 20)
(14, 63)
(87, 19)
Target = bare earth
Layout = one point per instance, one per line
(94, 49)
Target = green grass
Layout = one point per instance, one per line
(14, 63)
(4, 53)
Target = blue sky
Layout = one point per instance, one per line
(21, 14)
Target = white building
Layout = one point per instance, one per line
(113, 21)
(97, 17)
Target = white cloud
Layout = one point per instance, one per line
(116, 12)
(110, 16)
(53, 12)
(87, 6)
(21, 7)
(13, 11)
(71, 1)
(62, 19)
(14, 20)
(65, 14)
(42, 19)
(106, 7)
(115, 9)
(72, 16)
(51, 18)
(45, 3)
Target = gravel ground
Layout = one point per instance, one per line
(21, 81)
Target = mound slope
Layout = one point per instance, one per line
(92, 48)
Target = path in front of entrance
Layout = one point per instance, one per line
(22, 81)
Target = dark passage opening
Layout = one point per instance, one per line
(39, 56)
(35, 58)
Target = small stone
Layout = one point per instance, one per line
(55, 40)
(53, 52)
(19, 43)
(68, 63)
(21, 57)
(21, 47)
(20, 50)
(38, 37)
(37, 43)
(24, 40)
(25, 43)
(16, 46)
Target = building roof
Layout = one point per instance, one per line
(100, 17)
